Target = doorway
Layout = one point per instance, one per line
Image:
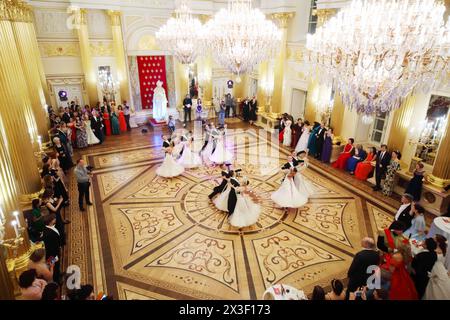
(298, 101)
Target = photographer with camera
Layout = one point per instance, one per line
(83, 174)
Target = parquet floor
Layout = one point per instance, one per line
(152, 238)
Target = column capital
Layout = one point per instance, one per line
(79, 14)
(282, 18)
(323, 15)
(115, 17)
(204, 17)
(15, 10)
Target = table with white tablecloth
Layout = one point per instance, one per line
(283, 292)
(440, 225)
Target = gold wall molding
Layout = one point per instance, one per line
(15, 10)
(59, 49)
(296, 53)
(102, 49)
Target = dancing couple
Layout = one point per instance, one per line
(232, 196)
(295, 190)
(214, 149)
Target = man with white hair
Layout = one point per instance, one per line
(357, 273)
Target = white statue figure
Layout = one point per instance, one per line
(159, 102)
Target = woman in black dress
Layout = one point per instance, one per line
(253, 109)
(415, 184)
(63, 156)
(59, 187)
(246, 110)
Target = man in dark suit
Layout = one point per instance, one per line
(228, 105)
(422, 264)
(382, 162)
(97, 126)
(187, 107)
(52, 242)
(66, 116)
(404, 213)
(320, 139)
(221, 187)
(357, 273)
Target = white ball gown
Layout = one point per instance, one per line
(177, 148)
(189, 159)
(288, 196)
(287, 135)
(302, 144)
(221, 154)
(303, 185)
(169, 168)
(221, 201)
(91, 138)
(246, 212)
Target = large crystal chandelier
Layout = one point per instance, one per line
(181, 35)
(377, 52)
(241, 37)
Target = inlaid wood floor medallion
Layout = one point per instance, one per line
(156, 238)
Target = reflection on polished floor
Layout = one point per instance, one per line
(153, 238)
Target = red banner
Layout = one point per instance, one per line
(151, 69)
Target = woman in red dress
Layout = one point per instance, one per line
(348, 152)
(122, 122)
(72, 127)
(365, 168)
(107, 123)
(402, 286)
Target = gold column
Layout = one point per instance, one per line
(181, 81)
(440, 176)
(400, 123)
(15, 256)
(29, 59)
(119, 52)
(262, 80)
(15, 109)
(86, 57)
(282, 20)
(310, 107)
(337, 115)
(204, 70)
(323, 15)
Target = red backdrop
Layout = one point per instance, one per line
(151, 69)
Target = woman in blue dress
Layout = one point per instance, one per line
(418, 225)
(360, 155)
(115, 127)
(327, 146)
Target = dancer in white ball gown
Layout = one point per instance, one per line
(169, 168)
(189, 159)
(246, 212)
(221, 154)
(288, 196)
(221, 201)
(302, 144)
(212, 133)
(91, 138)
(304, 186)
(287, 135)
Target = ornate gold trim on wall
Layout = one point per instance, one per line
(15, 10)
(282, 18)
(296, 53)
(65, 49)
(115, 17)
(102, 49)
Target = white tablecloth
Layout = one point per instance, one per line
(440, 225)
(276, 292)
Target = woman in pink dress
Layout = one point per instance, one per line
(348, 152)
(122, 122)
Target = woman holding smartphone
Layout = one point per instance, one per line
(44, 269)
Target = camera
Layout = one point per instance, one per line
(90, 168)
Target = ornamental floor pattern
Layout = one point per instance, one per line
(152, 238)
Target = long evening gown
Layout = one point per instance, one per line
(341, 162)
(91, 137)
(365, 168)
(302, 144)
(221, 201)
(169, 168)
(287, 136)
(312, 142)
(353, 161)
(402, 286)
(107, 123)
(438, 287)
(115, 128)
(388, 186)
(288, 196)
(417, 229)
(415, 185)
(246, 212)
(221, 154)
(122, 122)
(296, 134)
(82, 141)
(327, 149)
(303, 185)
(189, 159)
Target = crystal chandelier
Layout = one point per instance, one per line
(181, 35)
(107, 84)
(377, 52)
(240, 37)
